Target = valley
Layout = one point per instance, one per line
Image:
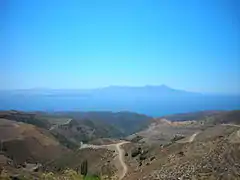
(120, 90)
(202, 147)
(120, 155)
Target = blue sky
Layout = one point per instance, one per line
(191, 45)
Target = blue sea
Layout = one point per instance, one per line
(152, 107)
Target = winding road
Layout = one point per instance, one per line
(121, 159)
(120, 155)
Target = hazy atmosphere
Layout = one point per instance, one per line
(187, 45)
(119, 89)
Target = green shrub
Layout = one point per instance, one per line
(136, 152)
(91, 178)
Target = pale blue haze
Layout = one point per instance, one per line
(192, 45)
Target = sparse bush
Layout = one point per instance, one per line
(72, 175)
(143, 157)
(181, 153)
(136, 152)
(137, 139)
(64, 141)
(152, 158)
(140, 163)
(176, 138)
(68, 174)
(4, 175)
(48, 176)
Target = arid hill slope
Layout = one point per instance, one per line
(25, 142)
(209, 149)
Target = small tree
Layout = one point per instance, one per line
(84, 168)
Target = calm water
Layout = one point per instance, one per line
(152, 107)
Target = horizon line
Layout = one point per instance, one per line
(122, 86)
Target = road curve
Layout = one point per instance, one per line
(189, 139)
(120, 154)
(121, 160)
(234, 125)
(57, 125)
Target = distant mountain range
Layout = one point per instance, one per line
(110, 91)
(150, 100)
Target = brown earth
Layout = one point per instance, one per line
(99, 162)
(163, 131)
(212, 155)
(165, 150)
(24, 142)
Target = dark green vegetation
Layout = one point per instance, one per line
(228, 117)
(176, 138)
(70, 128)
(29, 118)
(65, 141)
(136, 139)
(125, 123)
(87, 127)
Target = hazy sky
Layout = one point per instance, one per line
(190, 44)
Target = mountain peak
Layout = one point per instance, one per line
(163, 86)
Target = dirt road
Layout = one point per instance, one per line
(121, 160)
(234, 125)
(57, 125)
(120, 155)
(189, 139)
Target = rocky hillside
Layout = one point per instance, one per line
(30, 152)
(216, 117)
(85, 131)
(228, 117)
(70, 128)
(26, 117)
(123, 123)
(192, 116)
(204, 148)
(213, 154)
